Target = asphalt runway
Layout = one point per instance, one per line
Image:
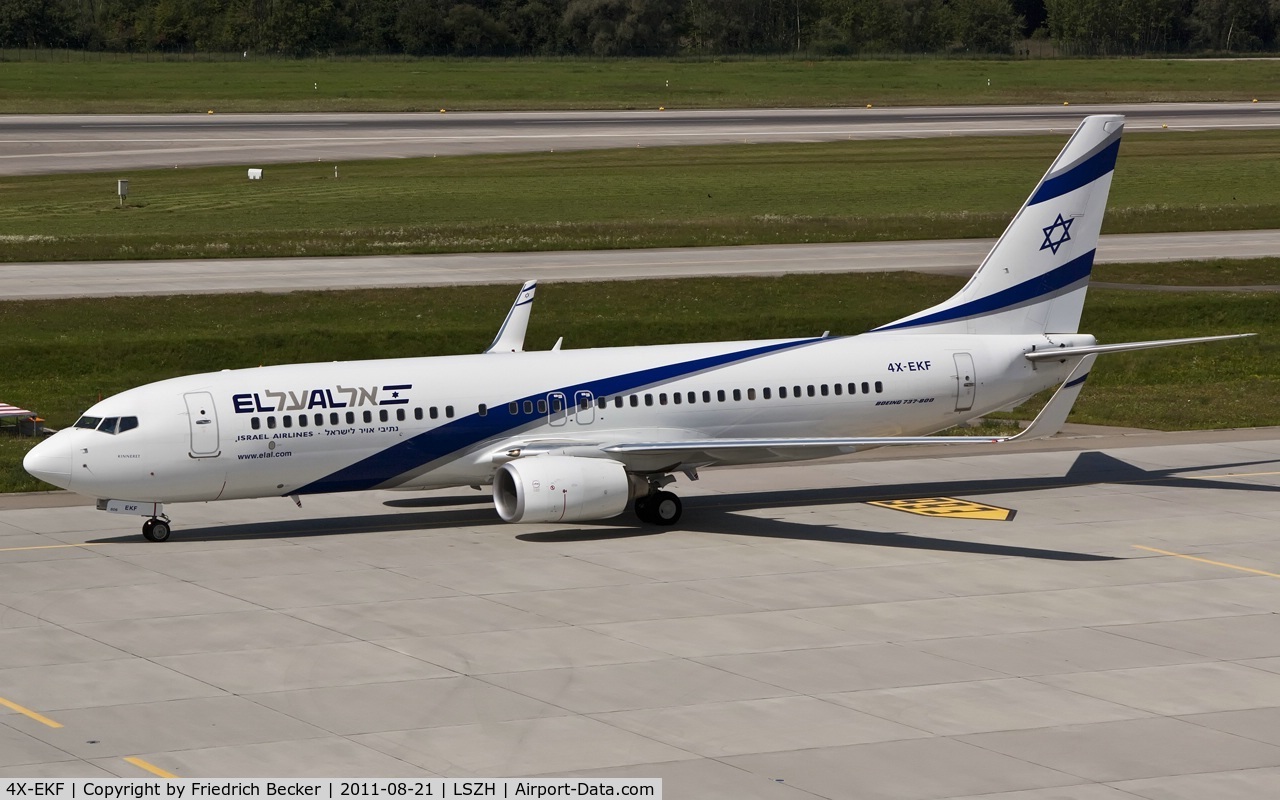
(35, 144)
(960, 256)
(1117, 638)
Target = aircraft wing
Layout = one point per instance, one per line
(708, 451)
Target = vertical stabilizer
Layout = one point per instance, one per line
(1034, 279)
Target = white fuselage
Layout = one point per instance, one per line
(448, 421)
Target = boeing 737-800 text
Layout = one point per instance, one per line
(575, 435)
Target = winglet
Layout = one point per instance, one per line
(1054, 414)
(510, 338)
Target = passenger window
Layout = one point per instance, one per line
(482, 410)
(88, 422)
(766, 392)
(617, 401)
(751, 394)
(737, 394)
(602, 403)
(435, 413)
(255, 423)
(796, 391)
(319, 419)
(677, 398)
(648, 399)
(271, 422)
(542, 407)
(400, 415)
(811, 391)
(720, 395)
(706, 396)
(635, 400)
(333, 418)
(866, 388)
(367, 416)
(693, 397)
(823, 389)
(528, 406)
(584, 402)
(109, 425)
(838, 389)
(853, 388)
(351, 418)
(382, 415)
(513, 408)
(448, 411)
(879, 387)
(417, 413)
(302, 420)
(662, 399)
(782, 393)
(557, 405)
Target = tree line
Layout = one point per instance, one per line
(604, 28)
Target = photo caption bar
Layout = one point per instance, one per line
(434, 788)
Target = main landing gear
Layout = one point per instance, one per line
(660, 508)
(156, 529)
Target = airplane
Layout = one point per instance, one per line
(574, 435)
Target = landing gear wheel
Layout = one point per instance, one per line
(155, 530)
(665, 508)
(644, 509)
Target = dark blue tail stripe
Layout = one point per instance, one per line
(1025, 293)
(465, 432)
(1082, 174)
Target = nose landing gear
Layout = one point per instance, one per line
(156, 529)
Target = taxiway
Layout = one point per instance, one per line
(1117, 638)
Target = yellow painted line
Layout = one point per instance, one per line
(51, 546)
(1209, 561)
(947, 507)
(26, 712)
(152, 768)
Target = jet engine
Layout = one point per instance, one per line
(560, 489)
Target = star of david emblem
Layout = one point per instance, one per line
(1049, 242)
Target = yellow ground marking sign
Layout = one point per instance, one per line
(26, 712)
(152, 768)
(947, 507)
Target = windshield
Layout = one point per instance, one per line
(88, 422)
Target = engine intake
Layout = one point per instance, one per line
(560, 489)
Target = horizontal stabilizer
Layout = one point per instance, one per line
(1064, 353)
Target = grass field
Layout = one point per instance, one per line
(661, 197)
(84, 83)
(60, 356)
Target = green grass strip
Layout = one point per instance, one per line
(114, 83)
(661, 197)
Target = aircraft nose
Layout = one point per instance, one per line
(50, 461)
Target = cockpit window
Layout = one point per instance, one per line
(111, 425)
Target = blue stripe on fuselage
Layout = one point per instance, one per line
(460, 434)
(1030, 291)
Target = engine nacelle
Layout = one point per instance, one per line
(560, 489)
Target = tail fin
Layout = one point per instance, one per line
(1034, 279)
